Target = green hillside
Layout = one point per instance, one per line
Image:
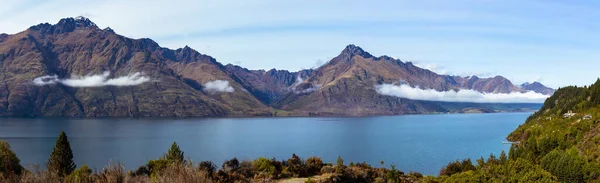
(562, 138)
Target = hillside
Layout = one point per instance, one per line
(562, 139)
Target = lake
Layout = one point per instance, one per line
(422, 143)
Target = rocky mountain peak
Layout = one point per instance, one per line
(77, 22)
(352, 50)
(65, 25)
(108, 29)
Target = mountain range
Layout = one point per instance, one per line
(74, 68)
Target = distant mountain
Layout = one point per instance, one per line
(74, 68)
(267, 86)
(537, 87)
(346, 85)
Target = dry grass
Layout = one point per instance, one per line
(115, 173)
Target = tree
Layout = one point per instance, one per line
(61, 159)
(451, 169)
(339, 166)
(9, 162)
(503, 159)
(175, 154)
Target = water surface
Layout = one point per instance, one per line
(422, 143)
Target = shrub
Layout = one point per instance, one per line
(182, 173)
(207, 166)
(230, 165)
(82, 174)
(142, 170)
(327, 169)
(263, 165)
(296, 166)
(156, 166)
(314, 165)
(112, 173)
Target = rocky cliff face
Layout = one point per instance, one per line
(74, 68)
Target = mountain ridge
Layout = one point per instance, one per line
(180, 77)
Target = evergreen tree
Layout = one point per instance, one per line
(175, 154)
(61, 159)
(339, 166)
(503, 159)
(9, 162)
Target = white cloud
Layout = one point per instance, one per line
(218, 86)
(298, 82)
(94, 80)
(406, 91)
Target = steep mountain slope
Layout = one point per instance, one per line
(77, 47)
(537, 87)
(346, 85)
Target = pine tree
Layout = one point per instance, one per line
(175, 154)
(61, 159)
(339, 166)
(503, 159)
(9, 162)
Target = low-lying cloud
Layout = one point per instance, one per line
(218, 86)
(406, 91)
(298, 82)
(93, 80)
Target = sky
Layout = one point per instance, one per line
(552, 41)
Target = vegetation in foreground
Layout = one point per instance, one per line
(172, 167)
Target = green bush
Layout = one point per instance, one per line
(82, 174)
(263, 165)
(156, 166)
(296, 166)
(313, 165)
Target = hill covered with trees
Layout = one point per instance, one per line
(562, 139)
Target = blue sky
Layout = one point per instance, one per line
(555, 42)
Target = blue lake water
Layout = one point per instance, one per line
(422, 143)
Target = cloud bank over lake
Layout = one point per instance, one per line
(406, 91)
(98, 80)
